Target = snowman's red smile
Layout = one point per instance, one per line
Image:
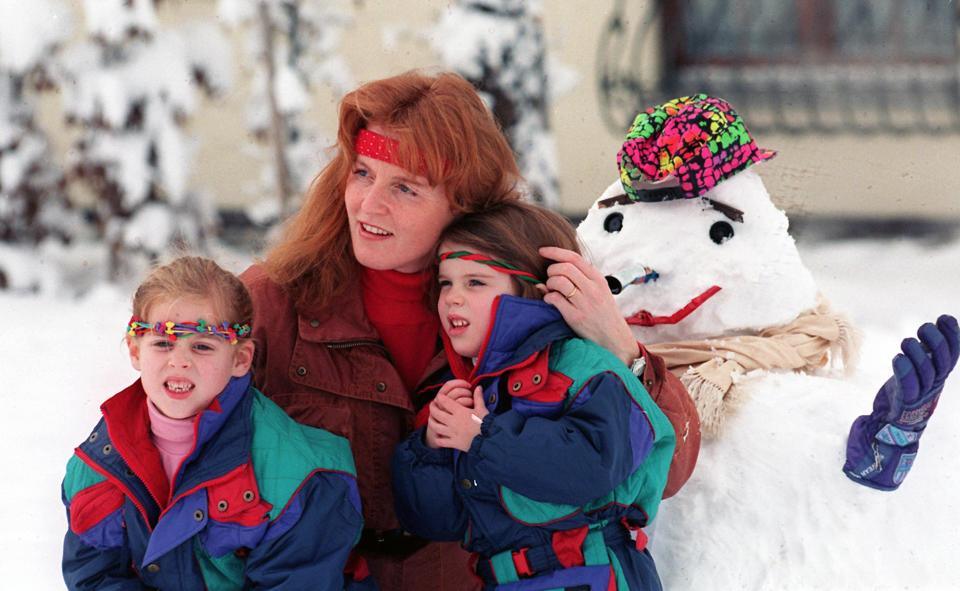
(644, 318)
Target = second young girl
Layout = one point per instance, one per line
(541, 452)
(193, 479)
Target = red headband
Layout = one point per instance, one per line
(493, 263)
(383, 148)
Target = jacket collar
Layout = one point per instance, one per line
(344, 321)
(519, 328)
(128, 425)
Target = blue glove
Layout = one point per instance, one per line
(881, 446)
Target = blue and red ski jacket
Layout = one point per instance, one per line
(261, 501)
(569, 465)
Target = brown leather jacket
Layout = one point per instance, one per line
(671, 396)
(327, 368)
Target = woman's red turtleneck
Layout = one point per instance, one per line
(396, 305)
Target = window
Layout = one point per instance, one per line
(801, 66)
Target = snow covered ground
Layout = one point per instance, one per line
(60, 358)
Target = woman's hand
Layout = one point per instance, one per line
(578, 290)
(453, 424)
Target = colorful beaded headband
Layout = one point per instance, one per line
(173, 330)
(496, 265)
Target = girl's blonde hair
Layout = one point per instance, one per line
(197, 277)
(443, 129)
(512, 232)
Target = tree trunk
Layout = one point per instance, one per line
(278, 126)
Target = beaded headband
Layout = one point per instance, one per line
(496, 265)
(172, 330)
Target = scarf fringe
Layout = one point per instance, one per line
(714, 401)
(846, 348)
(709, 400)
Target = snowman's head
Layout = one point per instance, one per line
(692, 253)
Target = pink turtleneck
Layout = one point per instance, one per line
(173, 438)
(395, 304)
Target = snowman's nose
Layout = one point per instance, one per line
(618, 282)
(615, 285)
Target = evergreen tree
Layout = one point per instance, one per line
(129, 88)
(33, 202)
(294, 47)
(499, 46)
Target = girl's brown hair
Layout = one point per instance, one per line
(443, 129)
(197, 277)
(512, 232)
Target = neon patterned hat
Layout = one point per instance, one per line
(700, 140)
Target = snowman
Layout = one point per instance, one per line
(712, 283)
(703, 268)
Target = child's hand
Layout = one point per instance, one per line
(458, 390)
(454, 424)
(430, 434)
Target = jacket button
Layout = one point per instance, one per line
(314, 323)
(381, 387)
(649, 384)
(301, 371)
(536, 378)
(466, 484)
(221, 506)
(248, 495)
(515, 387)
(198, 515)
(107, 449)
(492, 399)
(153, 567)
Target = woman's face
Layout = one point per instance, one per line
(395, 216)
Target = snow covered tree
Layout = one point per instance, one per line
(499, 46)
(129, 88)
(33, 203)
(293, 47)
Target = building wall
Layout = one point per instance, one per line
(838, 175)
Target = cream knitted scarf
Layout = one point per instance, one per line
(707, 368)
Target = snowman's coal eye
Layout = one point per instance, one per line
(720, 232)
(614, 284)
(613, 222)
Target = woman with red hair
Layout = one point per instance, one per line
(344, 329)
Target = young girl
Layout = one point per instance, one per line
(544, 454)
(193, 479)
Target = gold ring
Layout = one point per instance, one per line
(572, 293)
